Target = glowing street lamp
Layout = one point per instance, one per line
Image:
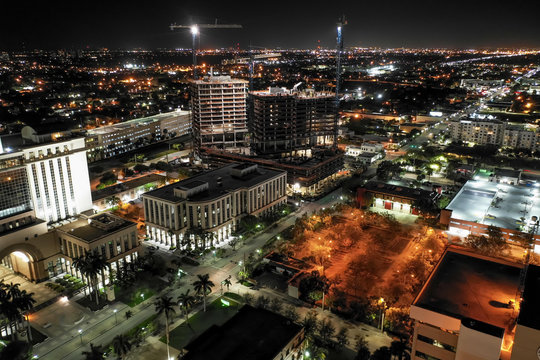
(115, 317)
(80, 334)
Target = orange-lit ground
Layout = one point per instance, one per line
(366, 254)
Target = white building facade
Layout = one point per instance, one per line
(58, 179)
(213, 202)
(112, 140)
(494, 132)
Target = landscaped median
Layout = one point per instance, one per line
(217, 313)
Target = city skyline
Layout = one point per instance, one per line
(299, 25)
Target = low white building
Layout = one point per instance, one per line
(356, 150)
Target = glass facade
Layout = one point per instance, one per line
(14, 192)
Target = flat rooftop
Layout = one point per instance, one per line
(126, 185)
(401, 191)
(250, 334)
(496, 204)
(228, 183)
(90, 231)
(468, 285)
(137, 122)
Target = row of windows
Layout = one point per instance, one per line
(109, 250)
(216, 213)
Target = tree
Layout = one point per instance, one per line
(186, 301)
(276, 305)
(362, 354)
(113, 201)
(326, 330)
(227, 282)
(397, 348)
(121, 346)
(342, 337)
(362, 350)
(141, 168)
(203, 286)
(291, 313)
(494, 243)
(108, 178)
(91, 265)
(249, 298)
(310, 323)
(249, 223)
(263, 302)
(128, 314)
(16, 350)
(95, 353)
(233, 243)
(382, 353)
(164, 305)
(312, 286)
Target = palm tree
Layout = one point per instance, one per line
(186, 301)
(25, 302)
(91, 265)
(95, 353)
(165, 305)
(121, 346)
(203, 286)
(15, 350)
(95, 267)
(227, 282)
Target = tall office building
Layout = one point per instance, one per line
(50, 178)
(219, 113)
(59, 181)
(289, 121)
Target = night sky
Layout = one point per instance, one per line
(299, 24)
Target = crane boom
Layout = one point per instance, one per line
(207, 26)
(195, 31)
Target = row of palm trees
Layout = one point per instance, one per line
(14, 304)
(165, 304)
(91, 265)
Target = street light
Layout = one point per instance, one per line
(80, 334)
(115, 317)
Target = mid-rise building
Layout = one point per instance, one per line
(305, 175)
(481, 132)
(114, 238)
(290, 121)
(469, 308)
(219, 113)
(214, 201)
(111, 140)
(270, 336)
(494, 132)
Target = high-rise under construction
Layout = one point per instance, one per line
(219, 113)
(291, 122)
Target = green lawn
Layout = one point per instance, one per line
(216, 313)
(133, 299)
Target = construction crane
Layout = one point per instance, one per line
(195, 28)
(339, 50)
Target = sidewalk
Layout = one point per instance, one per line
(101, 327)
